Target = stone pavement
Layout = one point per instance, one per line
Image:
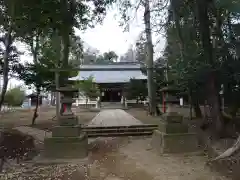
(114, 117)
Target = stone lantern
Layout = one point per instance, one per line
(67, 141)
(172, 135)
(169, 98)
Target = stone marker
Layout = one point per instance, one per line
(172, 135)
(67, 141)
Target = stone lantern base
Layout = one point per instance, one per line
(172, 135)
(67, 141)
(66, 147)
(174, 142)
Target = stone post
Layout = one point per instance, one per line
(67, 141)
(98, 103)
(125, 103)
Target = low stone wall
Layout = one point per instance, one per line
(135, 105)
(86, 106)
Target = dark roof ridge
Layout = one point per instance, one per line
(113, 63)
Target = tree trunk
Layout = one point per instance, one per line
(149, 59)
(65, 43)
(35, 114)
(216, 114)
(65, 32)
(52, 98)
(196, 106)
(57, 94)
(191, 104)
(204, 27)
(190, 113)
(178, 28)
(197, 110)
(7, 44)
(234, 110)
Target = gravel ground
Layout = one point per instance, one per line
(122, 159)
(119, 159)
(44, 172)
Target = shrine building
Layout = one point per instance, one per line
(111, 83)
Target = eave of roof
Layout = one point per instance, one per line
(111, 76)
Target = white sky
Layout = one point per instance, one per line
(107, 36)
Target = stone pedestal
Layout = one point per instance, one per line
(172, 135)
(66, 147)
(67, 141)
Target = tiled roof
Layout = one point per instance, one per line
(111, 76)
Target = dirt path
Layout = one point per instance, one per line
(123, 159)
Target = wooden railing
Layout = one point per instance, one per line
(85, 103)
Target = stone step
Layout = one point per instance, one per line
(117, 134)
(122, 127)
(122, 130)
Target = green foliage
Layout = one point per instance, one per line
(88, 87)
(37, 75)
(190, 61)
(14, 66)
(52, 15)
(107, 57)
(14, 97)
(160, 74)
(76, 51)
(92, 56)
(137, 90)
(230, 5)
(183, 52)
(141, 49)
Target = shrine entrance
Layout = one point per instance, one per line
(111, 92)
(111, 96)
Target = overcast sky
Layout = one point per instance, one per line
(107, 36)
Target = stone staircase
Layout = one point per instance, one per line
(117, 131)
(111, 105)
